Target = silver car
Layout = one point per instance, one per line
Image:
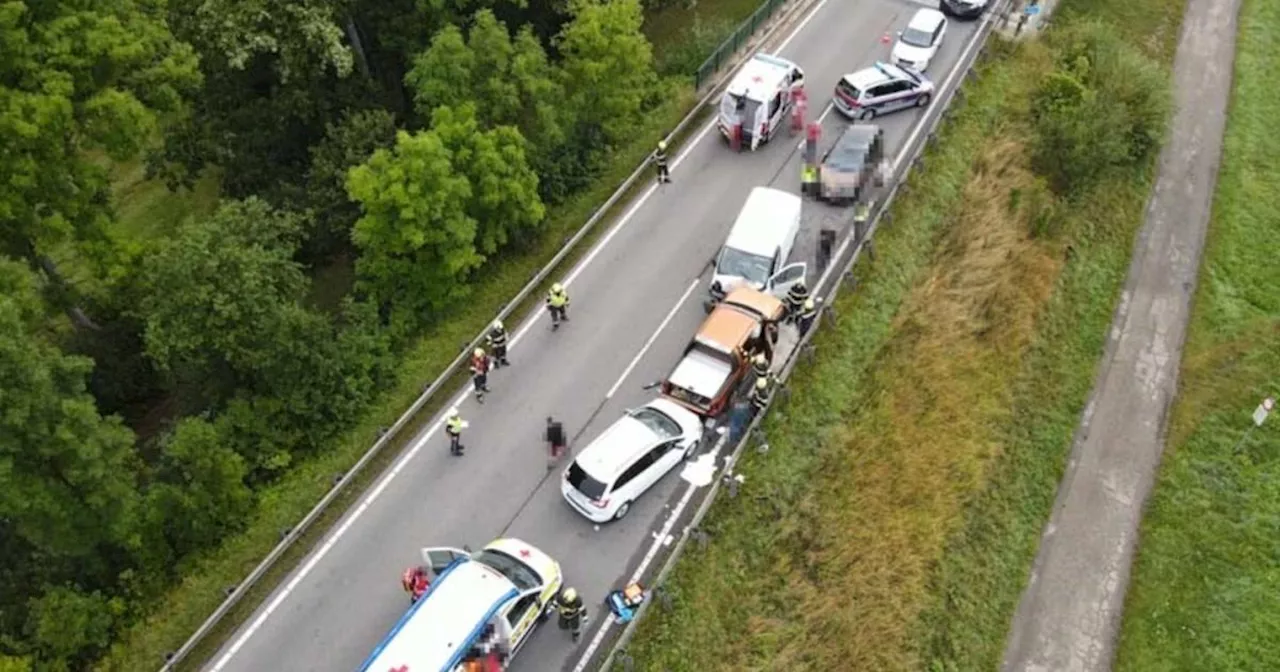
(855, 162)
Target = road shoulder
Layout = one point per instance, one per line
(1071, 609)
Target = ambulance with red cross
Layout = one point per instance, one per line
(758, 100)
(478, 611)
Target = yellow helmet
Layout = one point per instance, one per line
(759, 359)
(762, 383)
(662, 144)
(497, 324)
(569, 594)
(479, 352)
(808, 304)
(557, 288)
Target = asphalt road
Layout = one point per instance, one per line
(637, 298)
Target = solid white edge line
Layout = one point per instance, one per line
(608, 623)
(320, 553)
(648, 344)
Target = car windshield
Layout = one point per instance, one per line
(739, 264)
(657, 422)
(583, 482)
(847, 157)
(917, 38)
(519, 573)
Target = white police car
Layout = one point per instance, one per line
(880, 89)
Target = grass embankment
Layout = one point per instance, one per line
(282, 505)
(1204, 587)
(893, 522)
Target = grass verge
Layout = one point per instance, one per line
(918, 459)
(1204, 586)
(209, 576)
(685, 32)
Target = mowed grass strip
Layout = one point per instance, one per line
(894, 520)
(1205, 583)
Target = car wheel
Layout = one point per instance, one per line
(922, 100)
(867, 114)
(622, 511)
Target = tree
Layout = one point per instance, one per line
(607, 65)
(68, 627)
(215, 291)
(79, 82)
(416, 240)
(201, 495)
(510, 81)
(504, 190)
(321, 378)
(347, 144)
(67, 475)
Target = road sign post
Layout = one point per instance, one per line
(1259, 416)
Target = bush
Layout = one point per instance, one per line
(1104, 108)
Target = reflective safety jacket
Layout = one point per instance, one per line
(453, 426)
(496, 338)
(559, 300)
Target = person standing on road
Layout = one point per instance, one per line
(572, 611)
(497, 341)
(558, 305)
(480, 373)
(453, 426)
(807, 315)
(555, 439)
(796, 296)
(761, 396)
(660, 160)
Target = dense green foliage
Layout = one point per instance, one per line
(151, 388)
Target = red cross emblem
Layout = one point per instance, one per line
(402, 668)
(524, 553)
(757, 79)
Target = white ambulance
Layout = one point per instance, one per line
(759, 99)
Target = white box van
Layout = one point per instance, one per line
(759, 98)
(756, 252)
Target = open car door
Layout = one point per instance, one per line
(783, 280)
(437, 559)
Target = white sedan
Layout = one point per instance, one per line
(918, 44)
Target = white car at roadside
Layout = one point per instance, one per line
(918, 44)
(630, 456)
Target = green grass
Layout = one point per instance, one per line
(1205, 583)
(685, 32)
(911, 476)
(146, 209)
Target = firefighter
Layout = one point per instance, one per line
(761, 395)
(660, 160)
(760, 365)
(497, 341)
(558, 305)
(809, 179)
(572, 611)
(480, 373)
(796, 297)
(807, 314)
(453, 426)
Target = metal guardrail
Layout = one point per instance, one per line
(292, 535)
(860, 240)
(731, 44)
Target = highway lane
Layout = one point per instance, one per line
(345, 597)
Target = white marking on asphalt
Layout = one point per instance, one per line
(609, 622)
(368, 500)
(684, 297)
